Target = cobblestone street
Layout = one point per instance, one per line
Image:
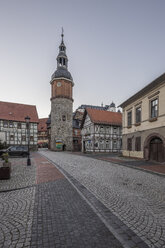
(135, 197)
(66, 200)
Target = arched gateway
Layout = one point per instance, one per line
(154, 148)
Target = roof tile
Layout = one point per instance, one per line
(104, 117)
(17, 112)
(42, 126)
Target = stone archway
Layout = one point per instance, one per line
(154, 143)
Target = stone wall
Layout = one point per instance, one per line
(61, 122)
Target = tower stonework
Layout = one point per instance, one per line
(61, 103)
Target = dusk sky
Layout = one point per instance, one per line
(114, 47)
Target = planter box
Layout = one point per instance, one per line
(5, 171)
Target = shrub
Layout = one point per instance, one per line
(5, 157)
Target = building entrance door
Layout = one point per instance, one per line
(156, 150)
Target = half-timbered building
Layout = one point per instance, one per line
(13, 129)
(42, 132)
(101, 131)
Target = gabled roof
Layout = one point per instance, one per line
(42, 126)
(103, 117)
(17, 112)
(154, 84)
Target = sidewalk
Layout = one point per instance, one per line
(150, 166)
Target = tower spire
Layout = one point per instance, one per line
(62, 61)
(62, 35)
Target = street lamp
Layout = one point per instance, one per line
(27, 119)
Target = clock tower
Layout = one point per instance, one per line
(61, 103)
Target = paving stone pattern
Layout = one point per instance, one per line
(63, 219)
(16, 214)
(137, 198)
(21, 175)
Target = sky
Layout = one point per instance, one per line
(114, 47)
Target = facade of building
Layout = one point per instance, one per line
(13, 129)
(61, 103)
(77, 119)
(42, 133)
(101, 131)
(144, 122)
(48, 124)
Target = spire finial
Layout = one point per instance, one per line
(62, 34)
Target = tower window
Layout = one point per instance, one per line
(64, 61)
(60, 61)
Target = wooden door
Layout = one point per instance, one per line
(156, 150)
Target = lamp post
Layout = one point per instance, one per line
(27, 119)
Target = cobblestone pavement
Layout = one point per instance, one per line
(50, 213)
(16, 215)
(137, 198)
(21, 175)
(150, 166)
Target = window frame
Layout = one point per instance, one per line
(129, 144)
(5, 124)
(138, 121)
(150, 108)
(138, 144)
(129, 118)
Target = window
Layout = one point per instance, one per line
(31, 138)
(96, 144)
(60, 61)
(19, 125)
(129, 118)
(5, 123)
(138, 115)
(11, 137)
(102, 129)
(107, 144)
(63, 61)
(64, 118)
(114, 144)
(24, 138)
(10, 124)
(107, 129)
(138, 144)
(101, 145)
(76, 132)
(129, 144)
(154, 108)
(115, 130)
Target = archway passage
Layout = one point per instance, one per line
(156, 150)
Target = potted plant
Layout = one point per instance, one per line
(6, 168)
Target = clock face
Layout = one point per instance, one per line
(58, 84)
